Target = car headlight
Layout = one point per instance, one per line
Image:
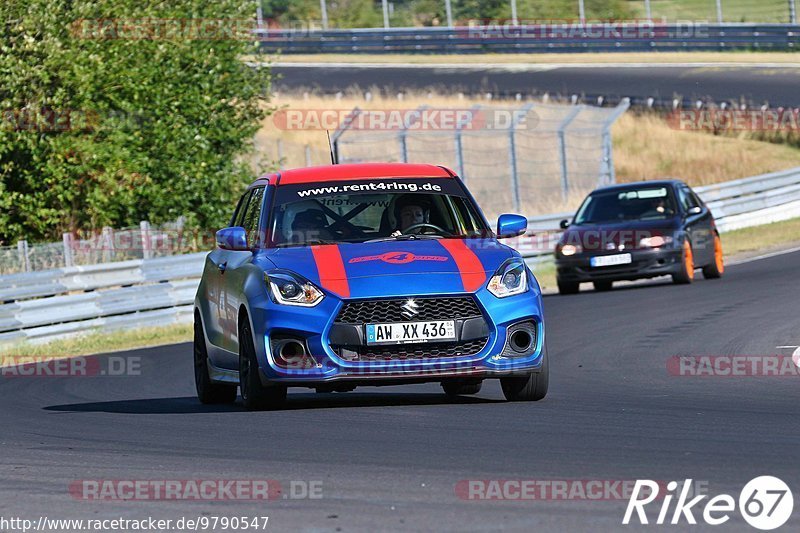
(291, 289)
(569, 249)
(510, 279)
(655, 242)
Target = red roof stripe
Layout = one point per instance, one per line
(361, 171)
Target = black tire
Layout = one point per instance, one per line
(685, 273)
(528, 388)
(208, 392)
(568, 287)
(255, 396)
(461, 388)
(717, 266)
(602, 286)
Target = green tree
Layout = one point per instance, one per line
(145, 115)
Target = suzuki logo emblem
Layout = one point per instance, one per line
(410, 309)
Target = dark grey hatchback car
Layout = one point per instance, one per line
(638, 230)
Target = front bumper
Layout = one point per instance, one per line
(645, 263)
(318, 329)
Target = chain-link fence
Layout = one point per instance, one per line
(534, 159)
(460, 13)
(108, 245)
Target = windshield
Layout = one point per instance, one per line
(373, 210)
(647, 203)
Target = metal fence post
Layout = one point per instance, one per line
(607, 171)
(144, 229)
(792, 12)
(514, 12)
(719, 11)
(385, 13)
(459, 144)
(581, 11)
(512, 152)
(108, 244)
(404, 134)
(22, 250)
(562, 149)
(648, 13)
(67, 239)
(279, 146)
(324, 11)
(308, 155)
(449, 12)
(351, 116)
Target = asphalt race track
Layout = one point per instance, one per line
(755, 85)
(390, 458)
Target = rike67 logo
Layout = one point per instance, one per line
(765, 503)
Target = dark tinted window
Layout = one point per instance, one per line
(252, 216)
(688, 200)
(241, 209)
(645, 203)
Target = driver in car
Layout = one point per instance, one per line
(409, 212)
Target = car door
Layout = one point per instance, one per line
(697, 222)
(219, 330)
(235, 273)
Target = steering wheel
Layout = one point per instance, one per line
(425, 224)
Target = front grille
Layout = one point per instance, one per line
(378, 311)
(401, 352)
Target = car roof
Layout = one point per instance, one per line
(356, 171)
(635, 184)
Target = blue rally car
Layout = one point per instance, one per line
(370, 274)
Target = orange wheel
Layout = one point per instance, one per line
(686, 272)
(715, 269)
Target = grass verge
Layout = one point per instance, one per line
(761, 238)
(95, 343)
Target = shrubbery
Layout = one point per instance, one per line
(109, 131)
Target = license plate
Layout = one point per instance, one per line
(407, 332)
(610, 260)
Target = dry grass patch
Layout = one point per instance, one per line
(95, 343)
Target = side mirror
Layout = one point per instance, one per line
(511, 226)
(232, 238)
(696, 210)
(564, 224)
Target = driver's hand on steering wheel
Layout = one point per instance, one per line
(396, 233)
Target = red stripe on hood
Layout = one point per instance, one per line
(331, 269)
(469, 266)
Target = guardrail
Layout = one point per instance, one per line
(634, 36)
(46, 305)
(41, 306)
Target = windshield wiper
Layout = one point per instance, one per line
(409, 237)
(309, 242)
